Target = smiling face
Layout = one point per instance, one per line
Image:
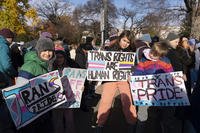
(46, 55)
(124, 42)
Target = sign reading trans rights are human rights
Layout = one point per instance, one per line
(109, 65)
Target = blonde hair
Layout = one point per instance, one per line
(159, 49)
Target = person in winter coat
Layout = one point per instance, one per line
(155, 119)
(38, 62)
(81, 52)
(81, 59)
(178, 56)
(109, 89)
(184, 43)
(16, 56)
(63, 118)
(7, 75)
(6, 68)
(195, 107)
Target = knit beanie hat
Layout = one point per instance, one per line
(7, 33)
(44, 44)
(192, 41)
(172, 36)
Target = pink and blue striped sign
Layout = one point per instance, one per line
(110, 65)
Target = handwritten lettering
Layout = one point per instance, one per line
(98, 74)
(158, 94)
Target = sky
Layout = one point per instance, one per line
(118, 3)
(124, 3)
(76, 2)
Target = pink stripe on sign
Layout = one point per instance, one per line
(96, 63)
(96, 67)
(92, 65)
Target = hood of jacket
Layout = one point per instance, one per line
(33, 66)
(33, 57)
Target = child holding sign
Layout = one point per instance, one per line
(155, 119)
(110, 88)
(37, 63)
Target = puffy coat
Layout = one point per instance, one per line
(179, 59)
(33, 66)
(7, 71)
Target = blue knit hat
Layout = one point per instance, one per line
(192, 42)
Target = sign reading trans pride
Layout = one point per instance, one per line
(109, 66)
(29, 100)
(159, 90)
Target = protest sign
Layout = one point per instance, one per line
(73, 83)
(109, 66)
(29, 100)
(166, 89)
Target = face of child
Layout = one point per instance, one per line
(46, 55)
(59, 59)
(124, 42)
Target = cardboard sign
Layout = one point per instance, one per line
(159, 90)
(73, 84)
(29, 100)
(109, 66)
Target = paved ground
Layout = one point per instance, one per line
(115, 123)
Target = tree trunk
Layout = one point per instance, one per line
(195, 29)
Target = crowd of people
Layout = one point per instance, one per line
(153, 56)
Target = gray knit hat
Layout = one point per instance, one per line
(172, 36)
(44, 44)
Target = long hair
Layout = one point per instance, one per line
(125, 33)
